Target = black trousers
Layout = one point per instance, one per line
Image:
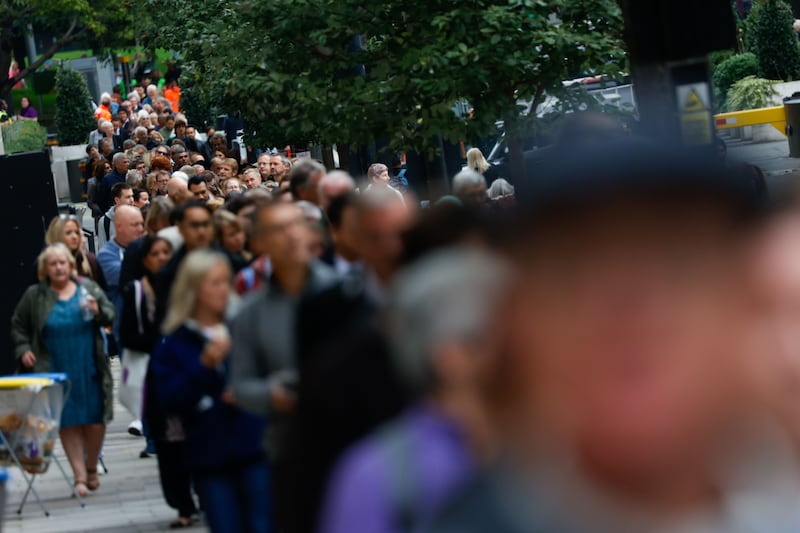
(176, 479)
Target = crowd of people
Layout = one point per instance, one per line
(608, 347)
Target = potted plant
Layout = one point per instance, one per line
(23, 136)
(74, 113)
(74, 121)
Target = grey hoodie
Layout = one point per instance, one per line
(112, 231)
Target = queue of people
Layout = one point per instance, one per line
(605, 348)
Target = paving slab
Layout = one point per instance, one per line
(129, 498)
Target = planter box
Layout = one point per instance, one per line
(60, 155)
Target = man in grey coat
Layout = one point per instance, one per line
(264, 370)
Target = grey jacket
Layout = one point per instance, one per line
(263, 353)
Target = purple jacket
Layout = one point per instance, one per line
(397, 478)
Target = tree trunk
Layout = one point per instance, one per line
(6, 55)
(7, 49)
(516, 156)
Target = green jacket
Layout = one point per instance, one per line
(27, 331)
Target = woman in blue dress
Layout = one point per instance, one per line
(56, 328)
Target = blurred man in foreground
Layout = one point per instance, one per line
(622, 392)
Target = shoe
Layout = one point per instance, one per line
(143, 454)
(181, 523)
(92, 479)
(135, 428)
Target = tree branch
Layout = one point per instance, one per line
(68, 37)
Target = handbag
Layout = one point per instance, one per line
(134, 366)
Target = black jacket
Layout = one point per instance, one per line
(348, 387)
(132, 267)
(134, 335)
(163, 283)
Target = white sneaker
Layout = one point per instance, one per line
(135, 428)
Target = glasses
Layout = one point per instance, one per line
(199, 224)
(163, 181)
(163, 153)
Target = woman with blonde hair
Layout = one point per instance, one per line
(476, 161)
(56, 328)
(189, 374)
(158, 215)
(66, 229)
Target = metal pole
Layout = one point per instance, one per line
(30, 44)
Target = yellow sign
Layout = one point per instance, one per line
(696, 128)
(694, 103)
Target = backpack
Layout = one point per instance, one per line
(107, 227)
(400, 181)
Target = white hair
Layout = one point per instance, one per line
(181, 176)
(188, 170)
(447, 296)
(465, 178)
(143, 114)
(133, 177)
(500, 188)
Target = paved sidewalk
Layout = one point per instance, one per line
(129, 498)
(782, 171)
(772, 157)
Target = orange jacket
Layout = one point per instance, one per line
(103, 112)
(173, 94)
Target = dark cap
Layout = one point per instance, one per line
(632, 167)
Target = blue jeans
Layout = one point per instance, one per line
(236, 501)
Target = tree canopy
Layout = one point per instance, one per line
(353, 71)
(100, 22)
(772, 39)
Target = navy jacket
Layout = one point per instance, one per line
(219, 436)
(103, 196)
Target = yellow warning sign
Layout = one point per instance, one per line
(696, 128)
(693, 103)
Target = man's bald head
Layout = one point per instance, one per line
(128, 223)
(335, 184)
(178, 190)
